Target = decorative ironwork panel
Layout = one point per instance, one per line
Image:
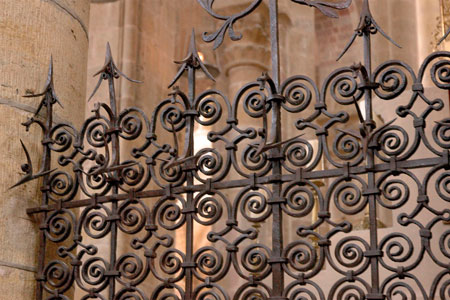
(127, 195)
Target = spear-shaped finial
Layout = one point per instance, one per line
(192, 60)
(367, 25)
(49, 90)
(109, 70)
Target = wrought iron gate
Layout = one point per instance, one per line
(142, 199)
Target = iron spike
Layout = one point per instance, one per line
(28, 169)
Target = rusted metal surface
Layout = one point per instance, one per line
(142, 202)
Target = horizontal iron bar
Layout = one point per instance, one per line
(410, 164)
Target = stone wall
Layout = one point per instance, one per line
(30, 32)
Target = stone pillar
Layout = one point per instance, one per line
(32, 31)
(245, 60)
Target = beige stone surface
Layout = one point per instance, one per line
(16, 284)
(32, 31)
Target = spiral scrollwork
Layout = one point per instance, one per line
(349, 251)
(254, 206)
(255, 259)
(172, 116)
(62, 138)
(346, 147)
(209, 210)
(131, 125)
(441, 133)
(58, 274)
(302, 256)
(299, 152)
(62, 186)
(444, 290)
(255, 104)
(253, 162)
(298, 92)
(440, 74)
(171, 261)
(213, 292)
(59, 226)
(392, 81)
(348, 198)
(343, 88)
(96, 133)
(401, 290)
(93, 272)
(209, 261)
(210, 111)
(169, 214)
(95, 222)
(130, 267)
(209, 162)
(444, 243)
(132, 175)
(130, 294)
(132, 218)
(395, 193)
(347, 291)
(246, 292)
(303, 293)
(171, 173)
(300, 200)
(171, 292)
(398, 247)
(443, 185)
(393, 140)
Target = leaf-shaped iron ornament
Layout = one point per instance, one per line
(327, 8)
(218, 36)
(367, 25)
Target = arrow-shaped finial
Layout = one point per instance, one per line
(48, 89)
(109, 70)
(192, 60)
(368, 25)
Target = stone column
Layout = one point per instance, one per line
(32, 31)
(245, 60)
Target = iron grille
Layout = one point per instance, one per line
(141, 200)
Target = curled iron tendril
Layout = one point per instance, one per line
(325, 7)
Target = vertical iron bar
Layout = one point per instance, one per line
(115, 154)
(46, 160)
(375, 280)
(275, 46)
(277, 231)
(190, 182)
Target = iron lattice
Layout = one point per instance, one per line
(249, 176)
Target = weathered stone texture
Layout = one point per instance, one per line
(32, 31)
